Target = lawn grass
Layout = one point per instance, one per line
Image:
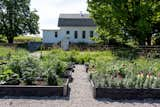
(5, 50)
(18, 52)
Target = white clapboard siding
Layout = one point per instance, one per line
(49, 35)
(79, 30)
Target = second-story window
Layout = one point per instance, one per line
(91, 34)
(76, 34)
(56, 34)
(84, 34)
(67, 32)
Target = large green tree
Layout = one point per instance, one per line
(16, 18)
(126, 19)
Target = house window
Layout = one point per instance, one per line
(76, 34)
(84, 34)
(68, 32)
(56, 34)
(91, 34)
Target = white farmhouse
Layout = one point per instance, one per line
(78, 28)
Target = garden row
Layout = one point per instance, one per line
(23, 75)
(126, 79)
(111, 76)
(118, 77)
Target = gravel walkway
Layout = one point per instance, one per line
(80, 96)
(36, 54)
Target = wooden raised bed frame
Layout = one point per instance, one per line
(34, 91)
(123, 93)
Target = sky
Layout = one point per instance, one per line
(49, 10)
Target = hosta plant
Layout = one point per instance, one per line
(8, 77)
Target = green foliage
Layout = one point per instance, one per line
(17, 18)
(52, 78)
(2, 39)
(139, 73)
(108, 70)
(28, 77)
(17, 66)
(60, 68)
(26, 68)
(47, 68)
(26, 39)
(8, 77)
(125, 53)
(126, 19)
(83, 57)
(6, 51)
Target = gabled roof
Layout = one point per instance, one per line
(74, 16)
(79, 20)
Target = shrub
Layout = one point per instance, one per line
(23, 39)
(27, 68)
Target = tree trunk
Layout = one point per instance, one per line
(10, 39)
(141, 42)
(149, 40)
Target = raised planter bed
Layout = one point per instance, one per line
(37, 91)
(123, 93)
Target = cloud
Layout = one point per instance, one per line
(49, 10)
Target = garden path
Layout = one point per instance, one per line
(36, 54)
(81, 90)
(80, 96)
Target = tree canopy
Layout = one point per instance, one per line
(16, 18)
(126, 19)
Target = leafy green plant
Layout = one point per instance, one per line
(52, 78)
(28, 78)
(8, 77)
(59, 68)
(16, 65)
(27, 69)
(13, 80)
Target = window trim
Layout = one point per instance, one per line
(75, 34)
(67, 32)
(55, 34)
(84, 34)
(91, 33)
